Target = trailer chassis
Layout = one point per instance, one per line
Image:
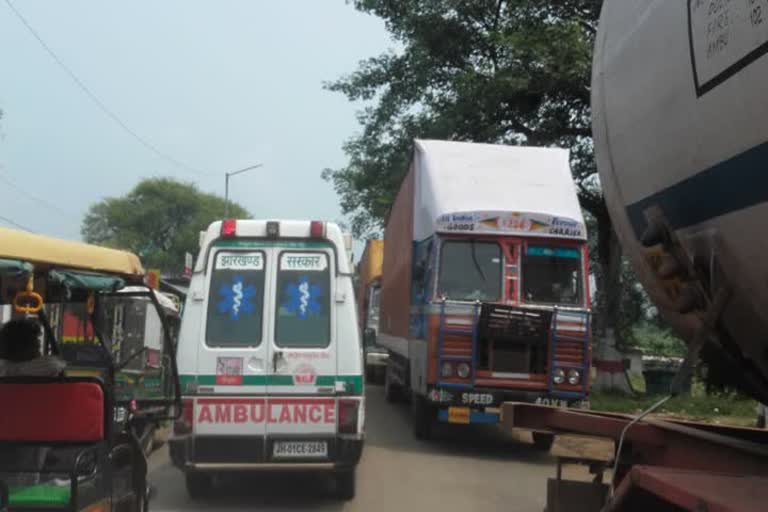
(664, 465)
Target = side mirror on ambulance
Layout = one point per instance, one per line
(201, 239)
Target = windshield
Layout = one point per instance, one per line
(470, 270)
(552, 275)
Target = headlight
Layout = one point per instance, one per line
(559, 376)
(446, 370)
(463, 370)
(574, 377)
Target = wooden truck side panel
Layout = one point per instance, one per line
(398, 248)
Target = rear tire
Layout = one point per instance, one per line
(423, 417)
(543, 440)
(345, 484)
(199, 485)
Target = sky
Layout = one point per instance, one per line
(218, 85)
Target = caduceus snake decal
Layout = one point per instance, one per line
(303, 298)
(237, 297)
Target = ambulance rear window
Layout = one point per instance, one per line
(236, 299)
(303, 318)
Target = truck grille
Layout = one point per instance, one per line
(513, 340)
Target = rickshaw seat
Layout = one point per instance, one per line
(62, 411)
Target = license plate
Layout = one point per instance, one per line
(458, 415)
(552, 402)
(300, 449)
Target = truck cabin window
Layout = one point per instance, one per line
(552, 275)
(470, 270)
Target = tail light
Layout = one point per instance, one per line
(317, 229)
(228, 228)
(183, 425)
(349, 415)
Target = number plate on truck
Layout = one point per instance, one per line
(552, 402)
(300, 449)
(458, 415)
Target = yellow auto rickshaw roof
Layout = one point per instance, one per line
(49, 253)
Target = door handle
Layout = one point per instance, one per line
(276, 357)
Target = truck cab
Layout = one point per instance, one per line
(369, 305)
(510, 316)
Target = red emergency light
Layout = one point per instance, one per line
(317, 229)
(228, 228)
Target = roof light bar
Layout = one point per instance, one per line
(317, 229)
(228, 228)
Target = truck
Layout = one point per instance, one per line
(485, 290)
(679, 109)
(368, 302)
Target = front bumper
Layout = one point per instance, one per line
(483, 405)
(254, 453)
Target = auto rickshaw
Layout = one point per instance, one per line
(73, 441)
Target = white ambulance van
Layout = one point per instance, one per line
(269, 355)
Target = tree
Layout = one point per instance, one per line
(500, 71)
(160, 220)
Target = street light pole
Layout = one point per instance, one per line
(226, 185)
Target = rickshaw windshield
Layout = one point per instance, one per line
(99, 326)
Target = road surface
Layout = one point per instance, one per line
(463, 469)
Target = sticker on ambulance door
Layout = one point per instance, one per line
(304, 375)
(306, 262)
(229, 371)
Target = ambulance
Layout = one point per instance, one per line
(269, 356)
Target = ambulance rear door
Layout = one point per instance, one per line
(303, 371)
(234, 357)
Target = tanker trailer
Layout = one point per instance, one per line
(679, 103)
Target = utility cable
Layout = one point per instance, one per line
(14, 223)
(107, 111)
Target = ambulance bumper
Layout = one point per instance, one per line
(214, 454)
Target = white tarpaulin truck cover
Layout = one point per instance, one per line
(463, 187)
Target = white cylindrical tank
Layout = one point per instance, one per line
(680, 121)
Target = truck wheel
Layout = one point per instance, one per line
(392, 392)
(423, 417)
(199, 485)
(345, 484)
(543, 440)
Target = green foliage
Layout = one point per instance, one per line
(656, 341)
(726, 408)
(160, 220)
(483, 71)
